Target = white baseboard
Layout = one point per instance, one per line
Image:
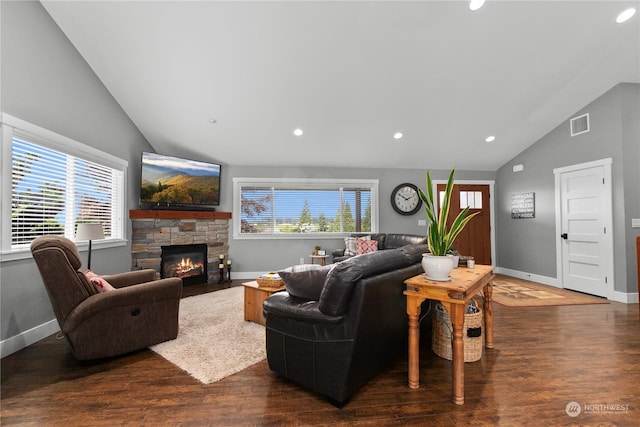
(26, 338)
(623, 297)
(247, 275)
(550, 281)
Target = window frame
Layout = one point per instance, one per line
(14, 127)
(239, 182)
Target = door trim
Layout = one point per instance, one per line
(607, 219)
(492, 207)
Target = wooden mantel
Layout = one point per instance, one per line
(175, 214)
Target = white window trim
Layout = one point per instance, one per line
(12, 126)
(240, 181)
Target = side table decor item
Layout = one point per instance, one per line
(224, 276)
(438, 263)
(472, 333)
(270, 280)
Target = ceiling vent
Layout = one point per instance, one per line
(579, 124)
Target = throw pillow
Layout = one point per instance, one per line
(364, 246)
(302, 267)
(350, 244)
(306, 284)
(100, 284)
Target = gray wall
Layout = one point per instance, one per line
(630, 121)
(253, 255)
(46, 82)
(528, 245)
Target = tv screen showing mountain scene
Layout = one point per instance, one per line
(173, 181)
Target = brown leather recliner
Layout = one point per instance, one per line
(140, 312)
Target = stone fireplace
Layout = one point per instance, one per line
(154, 229)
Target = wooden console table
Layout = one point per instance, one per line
(454, 296)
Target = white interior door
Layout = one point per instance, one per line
(586, 234)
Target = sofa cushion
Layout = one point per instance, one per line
(350, 244)
(364, 246)
(393, 241)
(414, 252)
(380, 238)
(306, 282)
(100, 284)
(342, 278)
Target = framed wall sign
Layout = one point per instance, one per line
(523, 205)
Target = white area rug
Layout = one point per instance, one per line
(214, 340)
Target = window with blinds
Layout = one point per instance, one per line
(291, 207)
(52, 191)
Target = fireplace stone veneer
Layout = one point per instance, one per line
(153, 229)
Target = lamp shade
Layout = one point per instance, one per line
(89, 232)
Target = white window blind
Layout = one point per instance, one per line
(51, 192)
(305, 207)
(56, 183)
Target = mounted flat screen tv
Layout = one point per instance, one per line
(175, 183)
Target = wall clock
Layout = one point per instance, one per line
(405, 199)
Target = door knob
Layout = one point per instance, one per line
(565, 236)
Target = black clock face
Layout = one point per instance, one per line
(405, 199)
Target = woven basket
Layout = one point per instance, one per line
(442, 331)
(265, 282)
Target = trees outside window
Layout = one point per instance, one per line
(53, 188)
(308, 207)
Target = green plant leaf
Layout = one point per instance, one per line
(439, 238)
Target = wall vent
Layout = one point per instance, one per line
(579, 124)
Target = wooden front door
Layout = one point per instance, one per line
(475, 239)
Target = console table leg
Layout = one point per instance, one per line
(488, 315)
(457, 352)
(413, 312)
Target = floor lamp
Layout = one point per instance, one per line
(89, 232)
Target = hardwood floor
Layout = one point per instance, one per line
(544, 358)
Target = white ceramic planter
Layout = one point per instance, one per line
(437, 267)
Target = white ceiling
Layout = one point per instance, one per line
(351, 74)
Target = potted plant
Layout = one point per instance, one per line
(438, 263)
(317, 249)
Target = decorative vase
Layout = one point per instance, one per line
(437, 267)
(456, 260)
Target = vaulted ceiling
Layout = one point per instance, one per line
(351, 74)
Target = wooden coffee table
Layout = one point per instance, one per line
(254, 296)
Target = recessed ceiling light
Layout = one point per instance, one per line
(298, 132)
(213, 121)
(490, 138)
(626, 15)
(476, 4)
(397, 135)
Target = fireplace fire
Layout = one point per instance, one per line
(188, 262)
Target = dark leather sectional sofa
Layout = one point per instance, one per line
(336, 344)
(385, 241)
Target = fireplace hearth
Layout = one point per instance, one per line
(188, 262)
